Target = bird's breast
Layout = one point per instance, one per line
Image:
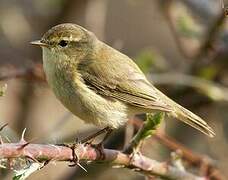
(70, 89)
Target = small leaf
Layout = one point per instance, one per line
(150, 60)
(151, 124)
(209, 72)
(186, 27)
(24, 173)
(145, 60)
(3, 90)
(148, 128)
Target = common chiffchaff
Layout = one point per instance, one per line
(99, 84)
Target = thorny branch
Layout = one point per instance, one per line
(134, 161)
(10, 152)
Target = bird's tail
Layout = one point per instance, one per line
(191, 119)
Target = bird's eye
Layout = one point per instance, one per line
(63, 43)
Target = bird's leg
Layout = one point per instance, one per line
(75, 159)
(106, 130)
(72, 146)
(100, 146)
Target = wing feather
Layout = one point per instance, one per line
(108, 75)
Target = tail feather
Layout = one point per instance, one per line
(193, 120)
(187, 116)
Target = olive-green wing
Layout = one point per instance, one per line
(112, 74)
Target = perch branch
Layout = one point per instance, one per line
(134, 161)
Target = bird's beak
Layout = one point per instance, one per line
(39, 43)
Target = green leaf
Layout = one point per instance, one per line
(3, 90)
(145, 60)
(209, 72)
(151, 124)
(148, 128)
(187, 28)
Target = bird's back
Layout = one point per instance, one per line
(113, 74)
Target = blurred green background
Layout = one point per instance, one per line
(182, 46)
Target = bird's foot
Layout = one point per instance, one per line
(75, 158)
(100, 146)
(88, 141)
(72, 146)
(100, 149)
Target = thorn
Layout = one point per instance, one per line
(82, 167)
(78, 164)
(32, 158)
(23, 136)
(1, 140)
(2, 127)
(24, 145)
(46, 162)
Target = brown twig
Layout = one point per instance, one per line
(209, 39)
(209, 88)
(135, 161)
(34, 72)
(193, 158)
(167, 14)
(212, 33)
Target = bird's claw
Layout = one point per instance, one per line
(100, 148)
(75, 159)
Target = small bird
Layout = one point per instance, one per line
(101, 85)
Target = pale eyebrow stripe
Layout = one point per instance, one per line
(71, 39)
